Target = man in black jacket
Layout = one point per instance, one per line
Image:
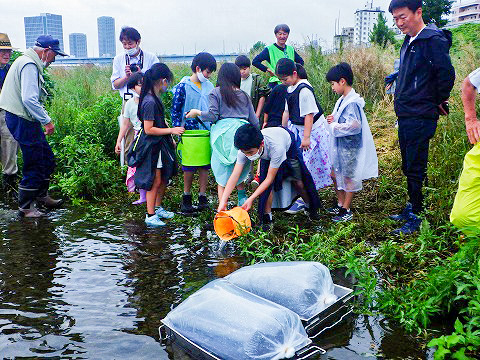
(425, 79)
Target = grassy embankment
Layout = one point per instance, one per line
(430, 277)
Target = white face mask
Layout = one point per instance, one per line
(135, 94)
(132, 51)
(256, 156)
(44, 62)
(201, 77)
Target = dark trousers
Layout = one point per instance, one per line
(38, 158)
(414, 136)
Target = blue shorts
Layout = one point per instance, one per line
(194, 168)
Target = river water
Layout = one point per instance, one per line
(95, 284)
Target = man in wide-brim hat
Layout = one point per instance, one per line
(22, 98)
(8, 145)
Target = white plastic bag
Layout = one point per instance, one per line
(234, 324)
(304, 287)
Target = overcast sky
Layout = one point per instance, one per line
(186, 26)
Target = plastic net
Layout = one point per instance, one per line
(304, 287)
(234, 324)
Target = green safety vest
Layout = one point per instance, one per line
(276, 54)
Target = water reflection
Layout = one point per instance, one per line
(30, 312)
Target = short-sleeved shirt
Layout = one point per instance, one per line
(276, 142)
(130, 112)
(474, 78)
(120, 61)
(307, 102)
(151, 111)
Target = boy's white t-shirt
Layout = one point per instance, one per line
(474, 78)
(130, 112)
(276, 142)
(307, 102)
(246, 84)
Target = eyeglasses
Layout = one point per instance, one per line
(6, 51)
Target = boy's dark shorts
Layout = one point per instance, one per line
(194, 168)
(297, 171)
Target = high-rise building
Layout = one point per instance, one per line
(45, 24)
(465, 12)
(78, 45)
(345, 39)
(106, 36)
(365, 19)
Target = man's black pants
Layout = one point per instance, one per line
(414, 136)
(38, 158)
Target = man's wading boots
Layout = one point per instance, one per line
(28, 197)
(45, 200)
(26, 204)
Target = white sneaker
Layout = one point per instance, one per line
(153, 221)
(298, 206)
(164, 214)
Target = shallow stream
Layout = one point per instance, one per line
(83, 285)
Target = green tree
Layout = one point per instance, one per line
(257, 47)
(434, 10)
(381, 34)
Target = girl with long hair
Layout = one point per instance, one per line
(229, 109)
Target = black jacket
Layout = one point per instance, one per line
(144, 156)
(426, 75)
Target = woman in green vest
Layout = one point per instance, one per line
(272, 53)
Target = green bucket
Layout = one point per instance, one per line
(194, 148)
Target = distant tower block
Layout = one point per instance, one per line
(45, 24)
(78, 45)
(106, 36)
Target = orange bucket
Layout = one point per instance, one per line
(232, 223)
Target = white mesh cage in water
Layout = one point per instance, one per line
(234, 324)
(305, 287)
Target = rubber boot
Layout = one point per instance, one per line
(26, 208)
(45, 200)
(187, 207)
(142, 199)
(203, 203)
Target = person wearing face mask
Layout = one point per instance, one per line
(272, 53)
(131, 121)
(133, 60)
(22, 96)
(284, 176)
(192, 93)
(8, 145)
